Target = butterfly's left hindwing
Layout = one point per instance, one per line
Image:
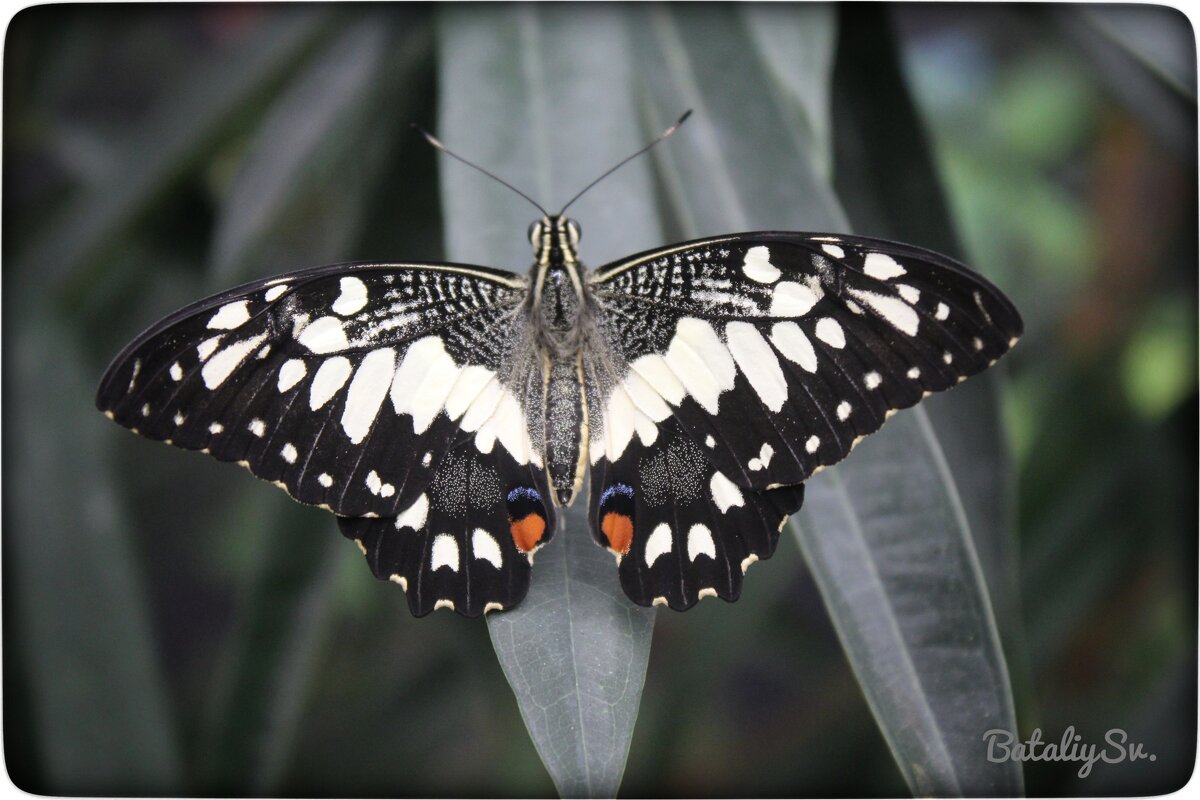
(467, 541)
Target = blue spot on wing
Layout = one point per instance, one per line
(616, 488)
(524, 493)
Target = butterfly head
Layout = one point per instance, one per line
(555, 240)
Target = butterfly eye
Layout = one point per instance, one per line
(573, 232)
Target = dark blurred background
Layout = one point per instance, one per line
(173, 627)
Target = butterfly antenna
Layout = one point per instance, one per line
(429, 137)
(627, 159)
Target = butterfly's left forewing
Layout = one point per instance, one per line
(764, 357)
(396, 395)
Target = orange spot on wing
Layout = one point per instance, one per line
(618, 529)
(527, 531)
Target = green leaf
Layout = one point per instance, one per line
(557, 108)
(79, 631)
(886, 534)
(187, 127)
(575, 653)
(301, 193)
(887, 539)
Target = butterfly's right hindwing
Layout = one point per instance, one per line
(347, 385)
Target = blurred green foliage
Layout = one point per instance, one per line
(241, 647)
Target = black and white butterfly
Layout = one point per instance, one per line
(445, 411)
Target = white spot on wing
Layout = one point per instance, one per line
(947, 357)
(324, 335)
(275, 292)
(834, 250)
(763, 459)
(325, 479)
(330, 378)
(654, 370)
(179, 418)
(872, 380)
(700, 543)
(882, 266)
(942, 312)
(794, 345)
(215, 427)
(445, 553)
(725, 493)
(469, 384)
(289, 453)
(352, 298)
(137, 367)
(373, 482)
(644, 396)
(701, 362)
(486, 548)
(910, 293)
(791, 299)
(830, 332)
(758, 266)
(710, 441)
(895, 312)
(176, 372)
(415, 515)
(291, 373)
(914, 372)
(257, 427)
(659, 543)
(204, 350)
(843, 411)
(219, 367)
(366, 393)
(813, 444)
(424, 381)
(758, 363)
(230, 316)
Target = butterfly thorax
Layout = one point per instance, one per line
(557, 306)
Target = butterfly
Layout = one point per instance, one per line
(446, 412)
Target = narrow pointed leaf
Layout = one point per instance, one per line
(557, 108)
(78, 627)
(316, 155)
(185, 129)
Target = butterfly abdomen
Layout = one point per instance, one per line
(566, 425)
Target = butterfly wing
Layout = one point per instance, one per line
(774, 353)
(681, 528)
(362, 388)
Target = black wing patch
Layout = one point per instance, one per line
(345, 385)
(776, 352)
(466, 542)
